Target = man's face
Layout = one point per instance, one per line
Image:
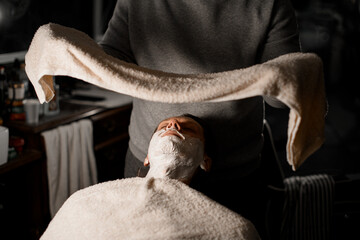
(176, 149)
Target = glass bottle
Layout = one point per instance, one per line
(16, 95)
(3, 84)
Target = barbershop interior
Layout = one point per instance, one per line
(65, 134)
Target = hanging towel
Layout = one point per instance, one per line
(71, 161)
(295, 79)
(308, 207)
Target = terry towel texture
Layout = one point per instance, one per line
(71, 161)
(139, 208)
(295, 79)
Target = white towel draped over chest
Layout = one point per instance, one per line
(142, 208)
(295, 79)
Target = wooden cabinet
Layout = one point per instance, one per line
(22, 198)
(24, 206)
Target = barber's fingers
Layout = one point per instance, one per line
(146, 161)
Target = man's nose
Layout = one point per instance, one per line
(174, 124)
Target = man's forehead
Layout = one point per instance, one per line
(182, 119)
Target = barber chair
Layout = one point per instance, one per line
(344, 208)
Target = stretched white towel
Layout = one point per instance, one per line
(139, 208)
(70, 161)
(295, 79)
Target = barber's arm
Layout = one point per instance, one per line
(116, 40)
(283, 34)
(282, 38)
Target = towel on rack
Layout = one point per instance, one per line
(71, 161)
(295, 79)
(308, 207)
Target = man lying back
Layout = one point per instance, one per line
(177, 149)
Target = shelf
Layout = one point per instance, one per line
(26, 157)
(69, 112)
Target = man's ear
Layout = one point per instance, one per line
(206, 164)
(146, 162)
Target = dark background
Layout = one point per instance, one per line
(329, 28)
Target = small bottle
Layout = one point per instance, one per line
(16, 95)
(3, 86)
(16, 91)
(24, 79)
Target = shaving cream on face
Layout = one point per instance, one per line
(174, 157)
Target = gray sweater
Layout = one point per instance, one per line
(202, 36)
